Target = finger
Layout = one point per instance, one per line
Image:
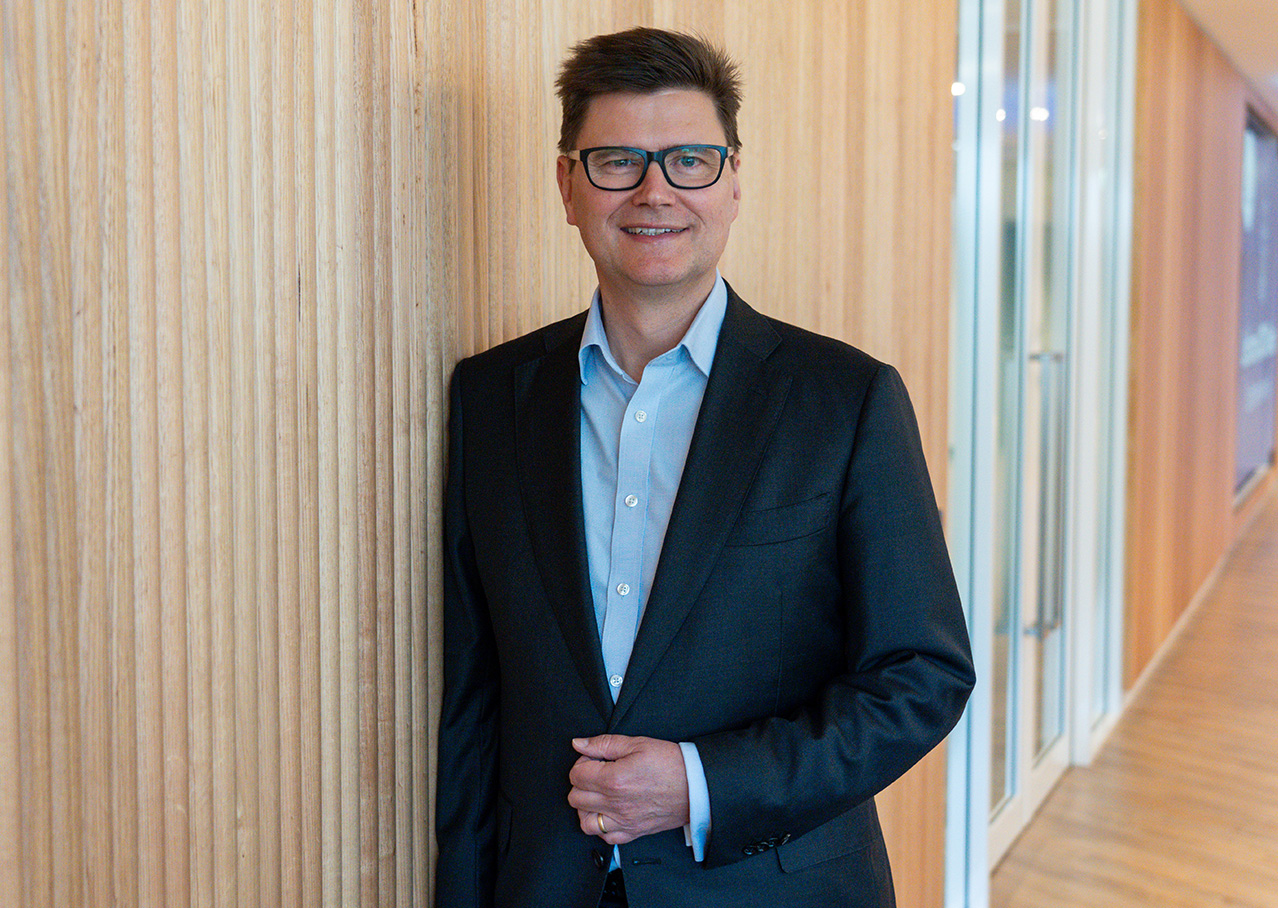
(589, 821)
(589, 801)
(592, 775)
(604, 747)
(589, 825)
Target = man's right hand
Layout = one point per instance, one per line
(637, 785)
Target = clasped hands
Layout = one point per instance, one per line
(625, 787)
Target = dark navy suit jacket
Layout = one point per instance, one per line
(803, 629)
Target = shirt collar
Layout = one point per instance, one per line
(701, 339)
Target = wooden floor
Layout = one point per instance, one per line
(1181, 806)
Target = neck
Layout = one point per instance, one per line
(640, 329)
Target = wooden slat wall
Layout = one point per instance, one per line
(1191, 110)
(245, 243)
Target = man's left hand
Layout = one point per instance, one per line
(637, 785)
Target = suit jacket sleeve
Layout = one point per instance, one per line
(907, 672)
(466, 783)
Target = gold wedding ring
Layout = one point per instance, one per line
(599, 818)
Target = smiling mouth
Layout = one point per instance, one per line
(652, 231)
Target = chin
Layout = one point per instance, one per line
(658, 274)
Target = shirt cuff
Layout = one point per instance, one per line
(698, 828)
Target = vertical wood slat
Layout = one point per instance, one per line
(261, 31)
(372, 446)
(327, 296)
(385, 538)
(170, 442)
(57, 320)
(91, 517)
(146, 720)
(439, 267)
(118, 745)
(362, 495)
(261, 234)
(286, 282)
(195, 407)
(244, 310)
(308, 463)
(406, 248)
(10, 631)
(221, 693)
(352, 358)
(27, 440)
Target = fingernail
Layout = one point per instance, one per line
(578, 742)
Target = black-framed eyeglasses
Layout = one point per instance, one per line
(616, 168)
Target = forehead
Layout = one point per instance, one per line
(669, 116)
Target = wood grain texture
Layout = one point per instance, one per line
(11, 700)
(1191, 108)
(245, 244)
(195, 297)
(1180, 808)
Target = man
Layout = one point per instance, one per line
(698, 609)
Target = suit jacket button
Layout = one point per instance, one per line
(600, 861)
(750, 850)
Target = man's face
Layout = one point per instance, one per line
(617, 227)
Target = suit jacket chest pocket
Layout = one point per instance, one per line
(795, 520)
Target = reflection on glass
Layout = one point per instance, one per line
(1047, 327)
(1006, 642)
(1033, 386)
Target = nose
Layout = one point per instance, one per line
(654, 190)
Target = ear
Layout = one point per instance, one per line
(563, 176)
(734, 169)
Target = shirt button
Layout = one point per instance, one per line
(632, 500)
(623, 589)
(641, 415)
(615, 680)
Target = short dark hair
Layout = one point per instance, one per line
(643, 61)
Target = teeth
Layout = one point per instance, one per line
(650, 231)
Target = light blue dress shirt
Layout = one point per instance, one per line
(634, 441)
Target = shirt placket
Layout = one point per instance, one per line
(626, 594)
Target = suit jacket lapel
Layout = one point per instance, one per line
(548, 428)
(739, 411)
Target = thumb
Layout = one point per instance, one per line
(604, 747)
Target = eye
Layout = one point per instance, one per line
(614, 159)
(693, 159)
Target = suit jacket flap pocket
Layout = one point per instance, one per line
(787, 521)
(845, 834)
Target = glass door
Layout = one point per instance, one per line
(1042, 241)
(1028, 750)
